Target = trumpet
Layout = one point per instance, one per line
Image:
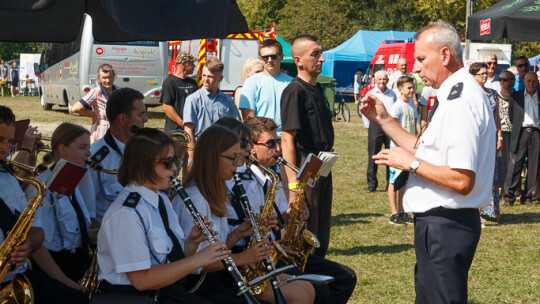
(96, 166)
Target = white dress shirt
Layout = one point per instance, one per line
(530, 107)
(123, 240)
(460, 136)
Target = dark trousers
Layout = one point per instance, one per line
(445, 241)
(322, 291)
(503, 159)
(528, 146)
(319, 201)
(376, 138)
(344, 282)
(50, 291)
(74, 265)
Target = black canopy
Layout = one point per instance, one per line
(517, 20)
(119, 20)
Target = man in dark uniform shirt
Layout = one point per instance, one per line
(307, 128)
(175, 90)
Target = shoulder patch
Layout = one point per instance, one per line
(455, 91)
(132, 200)
(100, 154)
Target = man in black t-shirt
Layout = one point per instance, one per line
(307, 128)
(175, 90)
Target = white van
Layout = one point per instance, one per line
(67, 71)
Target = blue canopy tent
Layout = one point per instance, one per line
(341, 62)
(534, 61)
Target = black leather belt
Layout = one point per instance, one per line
(531, 129)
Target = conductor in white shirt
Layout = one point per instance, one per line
(449, 163)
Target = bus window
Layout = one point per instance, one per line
(138, 43)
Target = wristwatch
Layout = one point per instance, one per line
(414, 165)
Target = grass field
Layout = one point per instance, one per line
(506, 268)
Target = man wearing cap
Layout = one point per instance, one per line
(175, 90)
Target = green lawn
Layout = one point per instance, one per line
(507, 261)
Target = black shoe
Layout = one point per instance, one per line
(371, 189)
(396, 219)
(406, 218)
(508, 204)
(529, 202)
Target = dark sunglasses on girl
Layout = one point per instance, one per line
(270, 144)
(235, 160)
(170, 161)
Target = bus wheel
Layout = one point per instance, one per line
(44, 105)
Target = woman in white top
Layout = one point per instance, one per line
(141, 246)
(64, 254)
(217, 157)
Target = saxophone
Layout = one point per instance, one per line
(261, 233)
(20, 290)
(90, 279)
(298, 238)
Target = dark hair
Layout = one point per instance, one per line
(121, 102)
(476, 67)
(6, 116)
(302, 38)
(65, 134)
(212, 142)
(234, 125)
(142, 149)
(271, 43)
(523, 58)
(258, 125)
(403, 80)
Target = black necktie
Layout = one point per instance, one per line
(435, 105)
(82, 222)
(176, 253)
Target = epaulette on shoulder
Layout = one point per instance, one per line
(132, 200)
(455, 91)
(100, 155)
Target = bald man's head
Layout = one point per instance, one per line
(297, 44)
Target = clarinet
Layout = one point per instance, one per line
(228, 262)
(250, 215)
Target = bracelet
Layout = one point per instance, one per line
(236, 235)
(293, 185)
(25, 149)
(500, 138)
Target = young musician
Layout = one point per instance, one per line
(12, 203)
(67, 222)
(218, 156)
(266, 147)
(125, 108)
(141, 246)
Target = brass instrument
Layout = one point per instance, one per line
(96, 166)
(47, 159)
(265, 266)
(298, 238)
(19, 289)
(90, 280)
(181, 140)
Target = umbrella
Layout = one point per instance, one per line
(119, 20)
(517, 20)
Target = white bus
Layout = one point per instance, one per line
(67, 71)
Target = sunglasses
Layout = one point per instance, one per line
(270, 144)
(491, 63)
(235, 160)
(244, 142)
(505, 79)
(522, 65)
(481, 74)
(266, 57)
(170, 161)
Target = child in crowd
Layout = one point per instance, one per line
(406, 114)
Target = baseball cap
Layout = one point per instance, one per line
(185, 56)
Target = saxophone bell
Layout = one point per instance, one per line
(19, 291)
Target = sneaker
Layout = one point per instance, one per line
(397, 220)
(407, 218)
